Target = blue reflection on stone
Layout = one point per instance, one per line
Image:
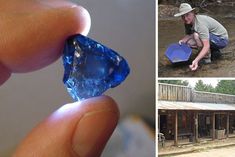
(91, 68)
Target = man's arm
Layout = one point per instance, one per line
(204, 51)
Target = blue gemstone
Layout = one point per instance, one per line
(91, 68)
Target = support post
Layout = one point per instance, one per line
(176, 128)
(196, 126)
(227, 132)
(213, 126)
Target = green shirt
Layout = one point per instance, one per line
(204, 25)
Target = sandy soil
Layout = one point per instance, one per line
(202, 146)
(219, 152)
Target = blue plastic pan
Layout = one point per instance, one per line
(178, 53)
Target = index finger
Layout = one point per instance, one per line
(38, 39)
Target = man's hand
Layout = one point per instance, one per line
(194, 65)
(182, 41)
(33, 33)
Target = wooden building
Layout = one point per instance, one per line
(187, 114)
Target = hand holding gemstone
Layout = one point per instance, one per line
(33, 45)
(91, 68)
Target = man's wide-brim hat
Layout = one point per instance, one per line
(184, 9)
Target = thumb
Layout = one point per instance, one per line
(80, 129)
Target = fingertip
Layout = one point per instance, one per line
(87, 20)
(82, 20)
(96, 118)
(95, 127)
(101, 102)
(81, 108)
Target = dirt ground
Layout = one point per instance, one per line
(219, 152)
(202, 146)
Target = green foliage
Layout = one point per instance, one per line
(200, 86)
(177, 82)
(226, 87)
(223, 86)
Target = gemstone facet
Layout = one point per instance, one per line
(91, 68)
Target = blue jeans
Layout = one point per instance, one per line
(216, 42)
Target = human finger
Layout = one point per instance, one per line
(75, 130)
(194, 66)
(38, 39)
(180, 42)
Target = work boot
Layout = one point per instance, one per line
(215, 54)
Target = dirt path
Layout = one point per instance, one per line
(219, 152)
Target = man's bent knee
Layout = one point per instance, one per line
(192, 43)
(197, 40)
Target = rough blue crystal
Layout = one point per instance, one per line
(91, 68)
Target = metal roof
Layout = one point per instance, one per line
(179, 105)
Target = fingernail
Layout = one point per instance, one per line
(93, 132)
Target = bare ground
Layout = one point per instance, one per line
(203, 146)
(219, 152)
